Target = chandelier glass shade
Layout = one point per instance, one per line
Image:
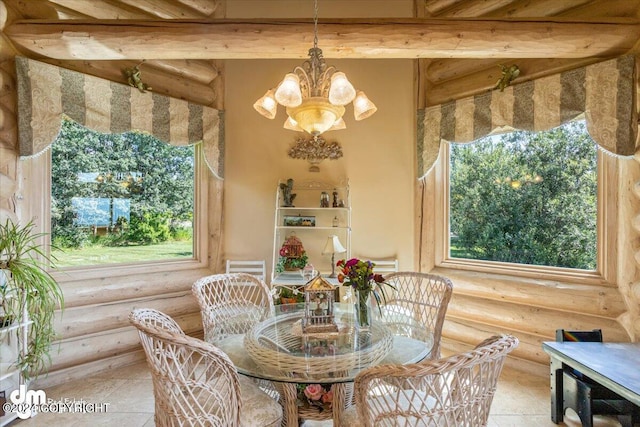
(315, 95)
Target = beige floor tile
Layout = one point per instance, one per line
(521, 400)
(132, 396)
(92, 390)
(108, 419)
(521, 421)
(137, 371)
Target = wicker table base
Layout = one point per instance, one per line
(276, 351)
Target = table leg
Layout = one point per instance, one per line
(338, 402)
(289, 401)
(555, 367)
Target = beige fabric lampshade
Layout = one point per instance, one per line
(333, 246)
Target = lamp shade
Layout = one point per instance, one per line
(339, 124)
(333, 246)
(267, 105)
(292, 125)
(363, 107)
(341, 91)
(288, 92)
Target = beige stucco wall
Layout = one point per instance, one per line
(378, 162)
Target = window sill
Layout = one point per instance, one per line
(553, 274)
(118, 270)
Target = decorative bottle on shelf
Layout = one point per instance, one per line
(335, 221)
(324, 199)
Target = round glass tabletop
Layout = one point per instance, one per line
(276, 349)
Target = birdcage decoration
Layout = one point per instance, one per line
(318, 307)
(292, 254)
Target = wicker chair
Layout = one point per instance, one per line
(150, 318)
(456, 391)
(231, 304)
(418, 298)
(195, 383)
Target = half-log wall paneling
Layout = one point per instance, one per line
(605, 93)
(466, 54)
(94, 331)
(97, 305)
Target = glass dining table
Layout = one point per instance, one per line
(277, 350)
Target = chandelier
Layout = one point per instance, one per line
(315, 95)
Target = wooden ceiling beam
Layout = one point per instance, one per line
(524, 8)
(164, 9)
(205, 7)
(109, 9)
(604, 9)
(435, 7)
(340, 38)
(473, 8)
(485, 79)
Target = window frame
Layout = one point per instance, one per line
(36, 177)
(607, 198)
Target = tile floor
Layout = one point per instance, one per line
(522, 400)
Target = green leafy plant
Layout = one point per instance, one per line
(28, 287)
(288, 263)
(288, 293)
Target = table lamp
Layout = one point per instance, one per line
(333, 247)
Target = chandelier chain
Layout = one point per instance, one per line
(315, 23)
(315, 94)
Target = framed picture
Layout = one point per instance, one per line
(299, 221)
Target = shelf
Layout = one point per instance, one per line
(9, 417)
(7, 370)
(10, 347)
(14, 326)
(308, 208)
(292, 208)
(286, 227)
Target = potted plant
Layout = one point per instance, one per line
(28, 290)
(289, 296)
(291, 263)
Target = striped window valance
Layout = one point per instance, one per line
(603, 92)
(46, 92)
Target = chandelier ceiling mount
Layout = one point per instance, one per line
(315, 95)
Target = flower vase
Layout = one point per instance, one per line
(363, 310)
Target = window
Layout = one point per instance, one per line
(526, 198)
(120, 198)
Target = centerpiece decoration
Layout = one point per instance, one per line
(359, 275)
(318, 307)
(293, 257)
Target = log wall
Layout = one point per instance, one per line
(484, 304)
(94, 330)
